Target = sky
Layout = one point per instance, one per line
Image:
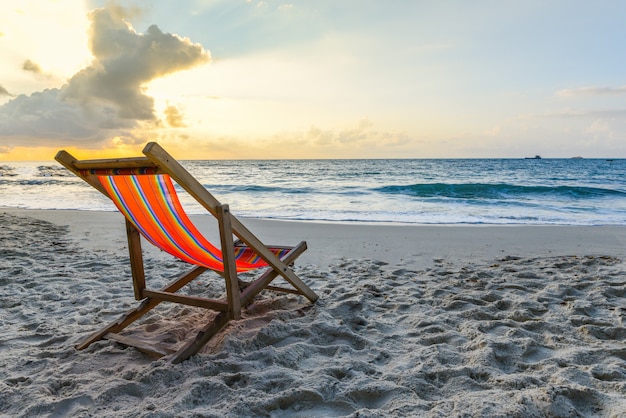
(274, 79)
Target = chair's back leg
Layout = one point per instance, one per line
(136, 259)
(233, 293)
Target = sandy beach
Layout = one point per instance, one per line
(433, 321)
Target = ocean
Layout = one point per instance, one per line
(413, 191)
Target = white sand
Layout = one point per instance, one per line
(412, 321)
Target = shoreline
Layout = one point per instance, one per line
(410, 246)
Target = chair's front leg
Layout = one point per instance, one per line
(136, 259)
(233, 293)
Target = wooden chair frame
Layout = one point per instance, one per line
(238, 293)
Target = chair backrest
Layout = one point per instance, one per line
(151, 203)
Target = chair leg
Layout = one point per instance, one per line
(119, 324)
(136, 259)
(144, 307)
(202, 337)
(233, 293)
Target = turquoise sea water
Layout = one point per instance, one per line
(455, 191)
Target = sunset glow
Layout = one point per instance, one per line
(245, 79)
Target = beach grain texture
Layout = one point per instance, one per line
(412, 321)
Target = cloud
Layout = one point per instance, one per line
(590, 113)
(592, 91)
(106, 99)
(44, 116)
(4, 92)
(173, 117)
(31, 67)
(363, 138)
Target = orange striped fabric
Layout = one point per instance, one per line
(150, 202)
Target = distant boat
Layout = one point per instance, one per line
(536, 157)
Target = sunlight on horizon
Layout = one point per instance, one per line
(232, 80)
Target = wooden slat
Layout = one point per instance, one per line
(68, 161)
(185, 180)
(266, 278)
(202, 337)
(215, 305)
(134, 162)
(136, 259)
(154, 350)
(233, 293)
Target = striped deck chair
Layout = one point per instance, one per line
(142, 189)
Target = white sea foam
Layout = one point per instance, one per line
(566, 192)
